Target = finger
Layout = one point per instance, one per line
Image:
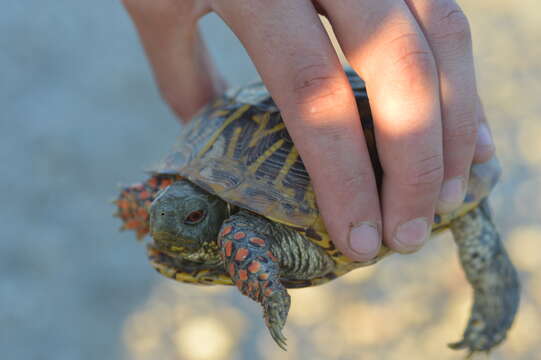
(484, 149)
(182, 67)
(382, 41)
(295, 58)
(448, 33)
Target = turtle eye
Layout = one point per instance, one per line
(194, 217)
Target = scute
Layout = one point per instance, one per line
(239, 149)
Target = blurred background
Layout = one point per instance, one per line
(80, 114)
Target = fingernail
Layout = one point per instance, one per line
(451, 195)
(483, 136)
(365, 240)
(411, 235)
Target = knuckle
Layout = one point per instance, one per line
(410, 58)
(317, 87)
(453, 24)
(426, 171)
(414, 61)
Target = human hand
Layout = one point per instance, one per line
(416, 58)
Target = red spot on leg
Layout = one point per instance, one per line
(144, 195)
(228, 248)
(241, 254)
(268, 292)
(254, 266)
(257, 241)
(243, 275)
(263, 276)
(232, 270)
(226, 230)
(240, 235)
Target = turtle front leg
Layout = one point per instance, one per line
(247, 255)
(492, 276)
(135, 200)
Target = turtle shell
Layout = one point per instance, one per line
(238, 148)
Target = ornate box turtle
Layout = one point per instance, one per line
(232, 204)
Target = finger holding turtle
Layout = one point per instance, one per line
(419, 72)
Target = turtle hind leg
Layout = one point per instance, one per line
(246, 250)
(135, 200)
(492, 276)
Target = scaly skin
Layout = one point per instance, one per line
(258, 254)
(134, 203)
(492, 276)
(255, 271)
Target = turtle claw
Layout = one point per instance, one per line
(472, 354)
(480, 336)
(276, 309)
(459, 345)
(478, 342)
(278, 337)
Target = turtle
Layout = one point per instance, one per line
(232, 204)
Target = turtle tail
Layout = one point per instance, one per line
(492, 276)
(134, 202)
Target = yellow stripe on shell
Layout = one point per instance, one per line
(219, 113)
(276, 128)
(277, 145)
(236, 115)
(233, 143)
(262, 120)
(288, 163)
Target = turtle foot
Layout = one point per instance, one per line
(276, 308)
(478, 340)
(490, 320)
(493, 278)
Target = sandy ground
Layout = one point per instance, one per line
(80, 114)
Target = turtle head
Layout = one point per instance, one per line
(185, 221)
